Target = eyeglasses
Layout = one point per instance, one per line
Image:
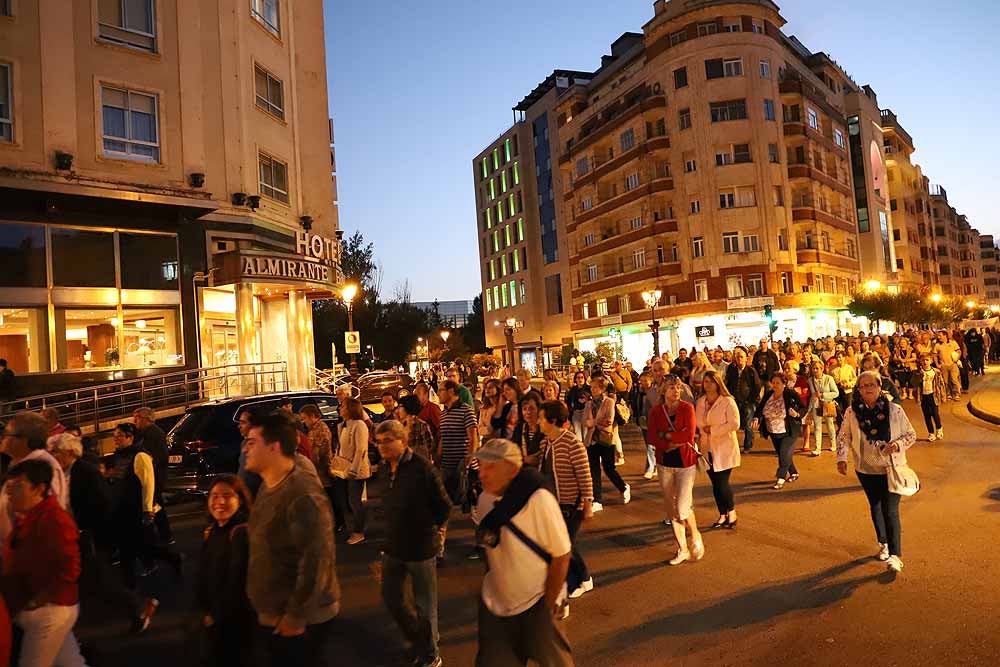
(868, 385)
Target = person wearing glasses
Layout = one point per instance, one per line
(874, 429)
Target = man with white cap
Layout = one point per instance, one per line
(528, 549)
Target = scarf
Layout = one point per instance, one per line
(874, 421)
(524, 484)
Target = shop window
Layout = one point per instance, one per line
(151, 338)
(149, 261)
(96, 249)
(22, 256)
(87, 338)
(24, 339)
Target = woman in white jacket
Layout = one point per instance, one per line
(353, 440)
(875, 429)
(718, 419)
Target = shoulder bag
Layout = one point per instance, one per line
(902, 479)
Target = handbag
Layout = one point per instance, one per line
(902, 479)
(339, 466)
(702, 463)
(830, 409)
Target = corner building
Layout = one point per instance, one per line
(706, 159)
(166, 172)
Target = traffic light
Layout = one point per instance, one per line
(769, 316)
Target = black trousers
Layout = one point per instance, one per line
(338, 500)
(722, 491)
(578, 572)
(306, 650)
(884, 507)
(603, 456)
(99, 578)
(932, 417)
(784, 445)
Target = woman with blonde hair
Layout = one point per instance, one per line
(698, 370)
(718, 420)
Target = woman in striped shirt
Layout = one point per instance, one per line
(567, 471)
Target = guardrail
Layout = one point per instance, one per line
(181, 389)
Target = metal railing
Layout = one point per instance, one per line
(181, 389)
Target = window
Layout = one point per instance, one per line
(128, 22)
(269, 92)
(706, 29)
(496, 296)
(765, 69)
(701, 290)
(733, 66)
(489, 218)
(22, 249)
(768, 109)
(506, 236)
(513, 293)
(674, 256)
(680, 78)
(69, 245)
(520, 229)
(5, 8)
(782, 241)
(496, 159)
(521, 291)
(130, 128)
(779, 196)
(751, 243)
(639, 258)
(714, 69)
(730, 242)
(685, 118)
(772, 153)
(503, 294)
(727, 199)
(698, 246)
(506, 151)
(892, 207)
(602, 307)
(786, 282)
(731, 110)
(624, 304)
(741, 153)
(736, 197)
(631, 182)
(734, 287)
(582, 166)
(690, 165)
(148, 261)
(273, 178)
(553, 295)
(745, 197)
(695, 206)
(838, 138)
(267, 13)
(678, 37)
(723, 158)
(635, 223)
(588, 240)
(587, 203)
(503, 181)
(813, 118)
(757, 27)
(489, 301)
(516, 257)
(503, 265)
(591, 273)
(493, 270)
(510, 205)
(755, 284)
(6, 103)
(627, 139)
(517, 175)
(586, 311)
(496, 240)
(486, 170)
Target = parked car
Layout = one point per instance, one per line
(206, 441)
(372, 386)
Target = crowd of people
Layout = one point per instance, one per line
(526, 462)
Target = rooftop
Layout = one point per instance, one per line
(560, 78)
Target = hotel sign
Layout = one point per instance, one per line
(284, 267)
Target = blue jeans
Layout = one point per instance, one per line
(784, 444)
(746, 418)
(650, 454)
(419, 622)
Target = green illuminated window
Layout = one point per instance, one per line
(506, 150)
(486, 168)
(493, 270)
(496, 241)
(503, 294)
(510, 205)
(520, 229)
(499, 212)
(503, 181)
(489, 301)
(489, 218)
(513, 293)
(496, 159)
(493, 192)
(503, 265)
(517, 261)
(517, 175)
(496, 296)
(506, 236)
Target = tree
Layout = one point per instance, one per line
(474, 331)
(876, 306)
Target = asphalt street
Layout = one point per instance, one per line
(796, 583)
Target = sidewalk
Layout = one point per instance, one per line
(985, 402)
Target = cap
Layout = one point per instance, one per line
(499, 449)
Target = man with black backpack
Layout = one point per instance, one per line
(528, 549)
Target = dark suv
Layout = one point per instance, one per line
(372, 387)
(206, 441)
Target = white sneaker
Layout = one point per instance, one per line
(620, 461)
(778, 484)
(627, 495)
(648, 474)
(596, 507)
(698, 550)
(883, 552)
(584, 587)
(940, 434)
(680, 557)
(576, 593)
(894, 564)
(931, 437)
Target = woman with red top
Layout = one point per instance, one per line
(800, 385)
(41, 565)
(671, 432)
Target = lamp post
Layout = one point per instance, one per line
(348, 293)
(508, 331)
(444, 337)
(652, 298)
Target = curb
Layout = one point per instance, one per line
(983, 414)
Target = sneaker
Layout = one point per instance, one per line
(668, 522)
(697, 550)
(627, 495)
(596, 507)
(894, 564)
(564, 611)
(577, 592)
(356, 538)
(680, 557)
(931, 437)
(778, 484)
(648, 474)
(814, 453)
(620, 461)
(883, 552)
(585, 587)
(149, 608)
(474, 554)
(794, 477)
(940, 434)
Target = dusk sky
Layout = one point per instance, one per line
(418, 89)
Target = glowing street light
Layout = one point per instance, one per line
(936, 297)
(970, 304)
(651, 298)
(873, 285)
(347, 293)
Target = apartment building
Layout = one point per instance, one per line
(958, 248)
(989, 256)
(910, 208)
(522, 247)
(166, 169)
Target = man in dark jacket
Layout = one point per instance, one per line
(416, 506)
(152, 440)
(765, 361)
(744, 384)
(8, 391)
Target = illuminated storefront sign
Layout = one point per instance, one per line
(284, 267)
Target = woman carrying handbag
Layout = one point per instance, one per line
(877, 433)
(600, 441)
(779, 415)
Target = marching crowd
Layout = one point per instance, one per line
(526, 463)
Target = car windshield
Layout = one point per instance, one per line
(199, 424)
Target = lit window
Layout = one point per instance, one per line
(701, 290)
(624, 304)
(267, 13)
(506, 150)
(639, 258)
(674, 257)
(734, 287)
(489, 301)
(520, 229)
(513, 292)
(273, 178)
(698, 246)
(486, 169)
(506, 236)
(838, 138)
(510, 205)
(503, 265)
(496, 159)
(128, 22)
(493, 270)
(586, 311)
(496, 296)
(503, 181)
(591, 273)
(130, 125)
(496, 241)
(489, 218)
(602, 307)
(813, 119)
(517, 175)
(521, 285)
(493, 190)
(516, 256)
(503, 294)
(268, 92)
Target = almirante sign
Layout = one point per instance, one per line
(284, 267)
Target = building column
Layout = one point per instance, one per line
(302, 356)
(246, 338)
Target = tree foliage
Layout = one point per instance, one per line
(909, 308)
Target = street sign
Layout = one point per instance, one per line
(705, 331)
(352, 342)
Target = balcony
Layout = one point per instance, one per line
(612, 115)
(605, 163)
(613, 237)
(800, 170)
(611, 196)
(889, 120)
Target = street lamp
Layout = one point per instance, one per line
(936, 297)
(970, 304)
(348, 293)
(651, 298)
(508, 331)
(444, 336)
(873, 285)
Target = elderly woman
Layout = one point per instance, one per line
(875, 429)
(600, 441)
(779, 415)
(718, 419)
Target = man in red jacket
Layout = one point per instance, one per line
(41, 565)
